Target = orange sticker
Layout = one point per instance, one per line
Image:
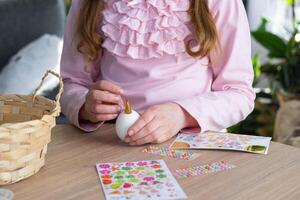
(156, 166)
(114, 168)
(127, 192)
(117, 192)
(106, 176)
(180, 145)
(133, 172)
(107, 181)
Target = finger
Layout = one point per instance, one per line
(102, 117)
(144, 140)
(106, 109)
(140, 123)
(161, 138)
(146, 130)
(108, 86)
(104, 96)
(150, 138)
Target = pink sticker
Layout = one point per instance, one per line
(127, 185)
(142, 163)
(129, 164)
(105, 171)
(149, 178)
(104, 166)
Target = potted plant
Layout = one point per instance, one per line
(261, 120)
(68, 5)
(283, 67)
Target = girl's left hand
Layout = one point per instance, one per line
(158, 124)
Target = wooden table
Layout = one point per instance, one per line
(70, 170)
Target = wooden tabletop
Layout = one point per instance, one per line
(70, 171)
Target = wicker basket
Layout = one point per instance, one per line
(25, 131)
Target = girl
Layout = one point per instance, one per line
(181, 63)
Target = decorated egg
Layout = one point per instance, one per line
(125, 120)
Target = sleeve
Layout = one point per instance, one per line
(76, 79)
(231, 98)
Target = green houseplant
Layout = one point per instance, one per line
(262, 119)
(68, 5)
(283, 66)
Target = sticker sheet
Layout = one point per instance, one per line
(171, 153)
(222, 141)
(138, 180)
(201, 169)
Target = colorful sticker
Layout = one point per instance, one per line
(223, 141)
(201, 169)
(138, 180)
(169, 152)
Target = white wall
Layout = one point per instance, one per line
(276, 11)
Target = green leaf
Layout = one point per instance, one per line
(289, 75)
(263, 25)
(269, 69)
(290, 2)
(256, 66)
(276, 45)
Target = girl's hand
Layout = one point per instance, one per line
(158, 124)
(103, 102)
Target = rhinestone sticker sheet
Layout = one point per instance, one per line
(201, 169)
(169, 152)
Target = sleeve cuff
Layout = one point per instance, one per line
(72, 108)
(188, 106)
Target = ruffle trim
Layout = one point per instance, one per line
(144, 29)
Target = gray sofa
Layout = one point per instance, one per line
(22, 21)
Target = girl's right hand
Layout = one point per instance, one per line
(103, 102)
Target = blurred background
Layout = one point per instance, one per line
(31, 41)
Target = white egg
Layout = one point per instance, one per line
(124, 122)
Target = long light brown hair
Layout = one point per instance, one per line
(90, 39)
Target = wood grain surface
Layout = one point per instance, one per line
(70, 171)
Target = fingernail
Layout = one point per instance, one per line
(121, 100)
(121, 91)
(130, 132)
(117, 98)
(127, 140)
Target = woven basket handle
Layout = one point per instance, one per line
(61, 86)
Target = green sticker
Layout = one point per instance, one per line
(120, 181)
(134, 180)
(130, 176)
(256, 149)
(161, 176)
(150, 173)
(126, 168)
(120, 172)
(140, 168)
(115, 186)
(119, 177)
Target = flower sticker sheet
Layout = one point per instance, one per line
(138, 180)
(222, 141)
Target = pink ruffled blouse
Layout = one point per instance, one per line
(144, 53)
